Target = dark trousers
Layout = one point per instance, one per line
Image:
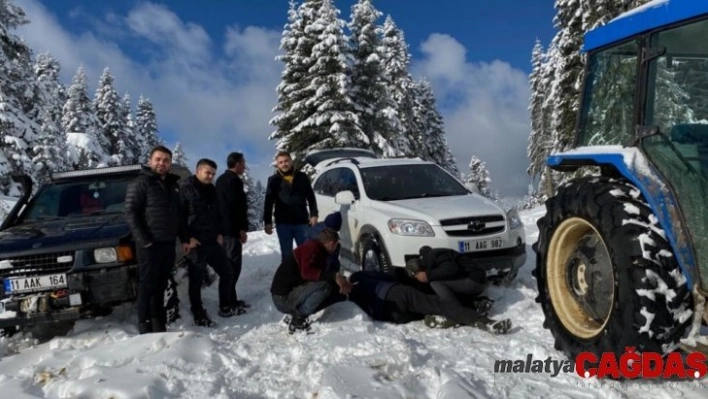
(405, 304)
(234, 248)
(305, 300)
(213, 254)
(287, 233)
(154, 267)
(448, 290)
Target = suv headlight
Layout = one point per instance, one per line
(513, 218)
(410, 227)
(105, 255)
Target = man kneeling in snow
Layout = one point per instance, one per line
(384, 298)
(302, 285)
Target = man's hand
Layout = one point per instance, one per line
(345, 286)
(269, 229)
(244, 237)
(220, 239)
(193, 242)
(313, 220)
(421, 276)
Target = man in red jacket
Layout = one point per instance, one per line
(303, 285)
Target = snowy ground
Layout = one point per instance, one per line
(251, 356)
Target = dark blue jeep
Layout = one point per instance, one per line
(67, 252)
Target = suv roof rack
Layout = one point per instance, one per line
(315, 157)
(350, 159)
(96, 171)
(179, 170)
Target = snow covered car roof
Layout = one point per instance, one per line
(651, 15)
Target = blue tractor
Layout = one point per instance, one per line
(622, 253)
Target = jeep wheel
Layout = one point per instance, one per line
(607, 278)
(372, 258)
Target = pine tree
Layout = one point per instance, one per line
(134, 143)
(294, 86)
(375, 106)
(49, 152)
(539, 137)
(178, 156)
(18, 132)
(256, 202)
(79, 117)
(146, 127)
(111, 122)
(479, 176)
(330, 120)
(429, 135)
(51, 96)
(401, 86)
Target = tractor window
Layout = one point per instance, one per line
(607, 114)
(677, 103)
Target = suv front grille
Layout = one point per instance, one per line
(473, 225)
(36, 265)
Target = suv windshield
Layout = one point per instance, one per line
(78, 198)
(390, 183)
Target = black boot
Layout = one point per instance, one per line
(145, 327)
(158, 326)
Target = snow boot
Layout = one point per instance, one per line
(493, 326)
(433, 321)
(144, 327)
(299, 324)
(158, 326)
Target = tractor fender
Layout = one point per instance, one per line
(632, 164)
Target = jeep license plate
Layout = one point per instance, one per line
(37, 283)
(481, 245)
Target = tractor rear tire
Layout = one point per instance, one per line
(607, 277)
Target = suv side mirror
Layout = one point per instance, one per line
(345, 197)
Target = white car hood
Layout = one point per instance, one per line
(434, 209)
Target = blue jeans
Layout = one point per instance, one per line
(304, 300)
(289, 232)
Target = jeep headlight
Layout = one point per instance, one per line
(410, 227)
(514, 219)
(105, 255)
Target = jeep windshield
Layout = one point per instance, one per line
(87, 197)
(399, 182)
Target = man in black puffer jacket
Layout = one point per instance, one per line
(200, 207)
(152, 210)
(451, 275)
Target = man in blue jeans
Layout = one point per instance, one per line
(303, 285)
(290, 193)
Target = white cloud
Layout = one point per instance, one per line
(485, 110)
(213, 100)
(216, 100)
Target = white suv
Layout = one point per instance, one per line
(392, 207)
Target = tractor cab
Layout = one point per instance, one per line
(622, 257)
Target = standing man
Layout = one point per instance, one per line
(200, 208)
(233, 205)
(152, 210)
(290, 192)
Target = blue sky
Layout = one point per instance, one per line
(208, 67)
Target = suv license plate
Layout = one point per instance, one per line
(37, 283)
(481, 245)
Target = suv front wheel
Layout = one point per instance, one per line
(371, 256)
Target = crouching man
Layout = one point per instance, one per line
(303, 285)
(385, 299)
